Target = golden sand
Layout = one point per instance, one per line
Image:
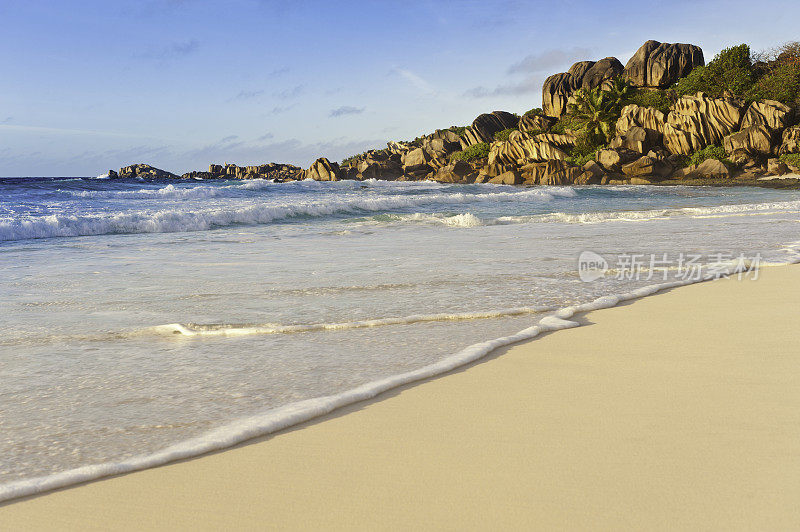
(677, 411)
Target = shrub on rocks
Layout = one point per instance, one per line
(476, 151)
(730, 71)
(709, 152)
(503, 135)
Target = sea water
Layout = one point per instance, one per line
(146, 319)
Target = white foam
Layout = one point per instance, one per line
(656, 214)
(271, 328)
(174, 220)
(280, 418)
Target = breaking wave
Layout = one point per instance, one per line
(175, 220)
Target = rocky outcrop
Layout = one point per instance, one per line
(695, 122)
(637, 139)
(145, 171)
(456, 172)
(486, 125)
(774, 115)
(378, 164)
(417, 162)
(556, 92)
(660, 65)
(275, 171)
(510, 177)
(790, 143)
(613, 159)
(323, 170)
(632, 116)
(750, 141)
(710, 168)
(535, 123)
(601, 72)
(582, 75)
(521, 149)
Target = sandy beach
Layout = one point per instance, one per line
(676, 411)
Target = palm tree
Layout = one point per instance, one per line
(594, 113)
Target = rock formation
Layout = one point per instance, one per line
(695, 122)
(323, 170)
(145, 171)
(660, 65)
(486, 125)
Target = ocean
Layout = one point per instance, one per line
(147, 320)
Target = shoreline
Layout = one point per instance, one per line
(94, 489)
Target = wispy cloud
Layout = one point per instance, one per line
(288, 94)
(534, 69)
(548, 60)
(246, 95)
(346, 110)
(278, 72)
(281, 109)
(416, 80)
(7, 120)
(266, 136)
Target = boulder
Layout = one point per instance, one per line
(560, 173)
(555, 93)
(637, 139)
(323, 170)
(695, 122)
(643, 166)
(486, 125)
(398, 147)
(512, 177)
(632, 116)
(791, 140)
(710, 168)
(775, 115)
(588, 178)
(562, 141)
(595, 169)
(455, 172)
(753, 140)
(657, 64)
(112, 174)
(600, 72)
(613, 159)
(536, 123)
(777, 167)
(521, 148)
(416, 162)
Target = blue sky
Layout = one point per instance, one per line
(87, 86)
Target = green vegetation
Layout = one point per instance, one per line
(596, 111)
(565, 124)
(709, 152)
(792, 159)
(731, 70)
(476, 151)
(458, 130)
(536, 111)
(503, 135)
(775, 75)
(780, 74)
(348, 161)
(656, 98)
